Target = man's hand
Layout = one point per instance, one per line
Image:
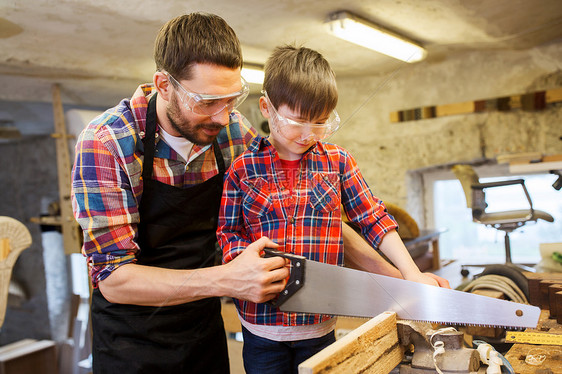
(255, 278)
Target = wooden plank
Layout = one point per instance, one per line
(394, 117)
(552, 158)
(543, 288)
(554, 95)
(29, 356)
(520, 352)
(534, 282)
(456, 108)
(70, 231)
(552, 305)
(531, 101)
(371, 348)
(558, 301)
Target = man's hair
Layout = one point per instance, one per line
(196, 38)
(302, 79)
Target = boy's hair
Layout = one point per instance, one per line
(302, 79)
(196, 38)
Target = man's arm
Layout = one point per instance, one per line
(247, 277)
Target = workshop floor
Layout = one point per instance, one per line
(450, 271)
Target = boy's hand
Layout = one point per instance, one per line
(255, 278)
(423, 278)
(444, 283)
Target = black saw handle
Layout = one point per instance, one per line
(296, 277)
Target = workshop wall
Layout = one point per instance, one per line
(388, 152)
(29, 185)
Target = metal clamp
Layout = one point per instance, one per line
(296, 278)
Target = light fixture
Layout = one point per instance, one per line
(354, 29)
(253, 74)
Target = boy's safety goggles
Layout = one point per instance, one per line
(317, 131)
(210, 105)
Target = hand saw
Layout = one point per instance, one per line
(315, 287)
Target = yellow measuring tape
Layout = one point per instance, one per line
(533, 338)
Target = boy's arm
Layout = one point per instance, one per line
(379, 228)
(393, 247)
(361, 256)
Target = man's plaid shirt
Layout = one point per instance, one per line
(256, 202)
(107, 183)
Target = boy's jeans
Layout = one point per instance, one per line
(264, 356)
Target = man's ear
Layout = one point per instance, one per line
(163, 85)
(263, 107)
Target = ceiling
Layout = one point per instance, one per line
(100, 50)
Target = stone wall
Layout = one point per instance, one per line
(390, 153)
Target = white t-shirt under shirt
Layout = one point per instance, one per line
(178, 143)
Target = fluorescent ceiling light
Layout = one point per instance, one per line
(253, 74)
(349, 27)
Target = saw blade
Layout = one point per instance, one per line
(336, 290)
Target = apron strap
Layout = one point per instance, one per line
(218, 157)
(149, 140)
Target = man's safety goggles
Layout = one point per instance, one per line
(210, 105)
(290, 128)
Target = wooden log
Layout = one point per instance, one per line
(534, 282)
(552, 289)
(543, 288)
(558, 300)
(371, 348)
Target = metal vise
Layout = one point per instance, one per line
(455, 358)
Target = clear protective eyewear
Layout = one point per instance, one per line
(304, 130)
(211, 105)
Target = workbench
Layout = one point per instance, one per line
(518, 353)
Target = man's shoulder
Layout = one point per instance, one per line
(126, 118)
(239, 129)
(115, 121)
(236, 137)
(116, 128)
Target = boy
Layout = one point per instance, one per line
(289, 187)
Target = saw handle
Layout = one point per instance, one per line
(296, 277)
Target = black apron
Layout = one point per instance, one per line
(177, 230)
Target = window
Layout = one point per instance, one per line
(471, 242)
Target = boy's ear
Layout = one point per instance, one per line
(162, 85)
(263, 107)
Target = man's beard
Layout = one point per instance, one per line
(188, 130)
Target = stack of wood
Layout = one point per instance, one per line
(545, 291)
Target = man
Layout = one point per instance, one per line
(146, 189)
